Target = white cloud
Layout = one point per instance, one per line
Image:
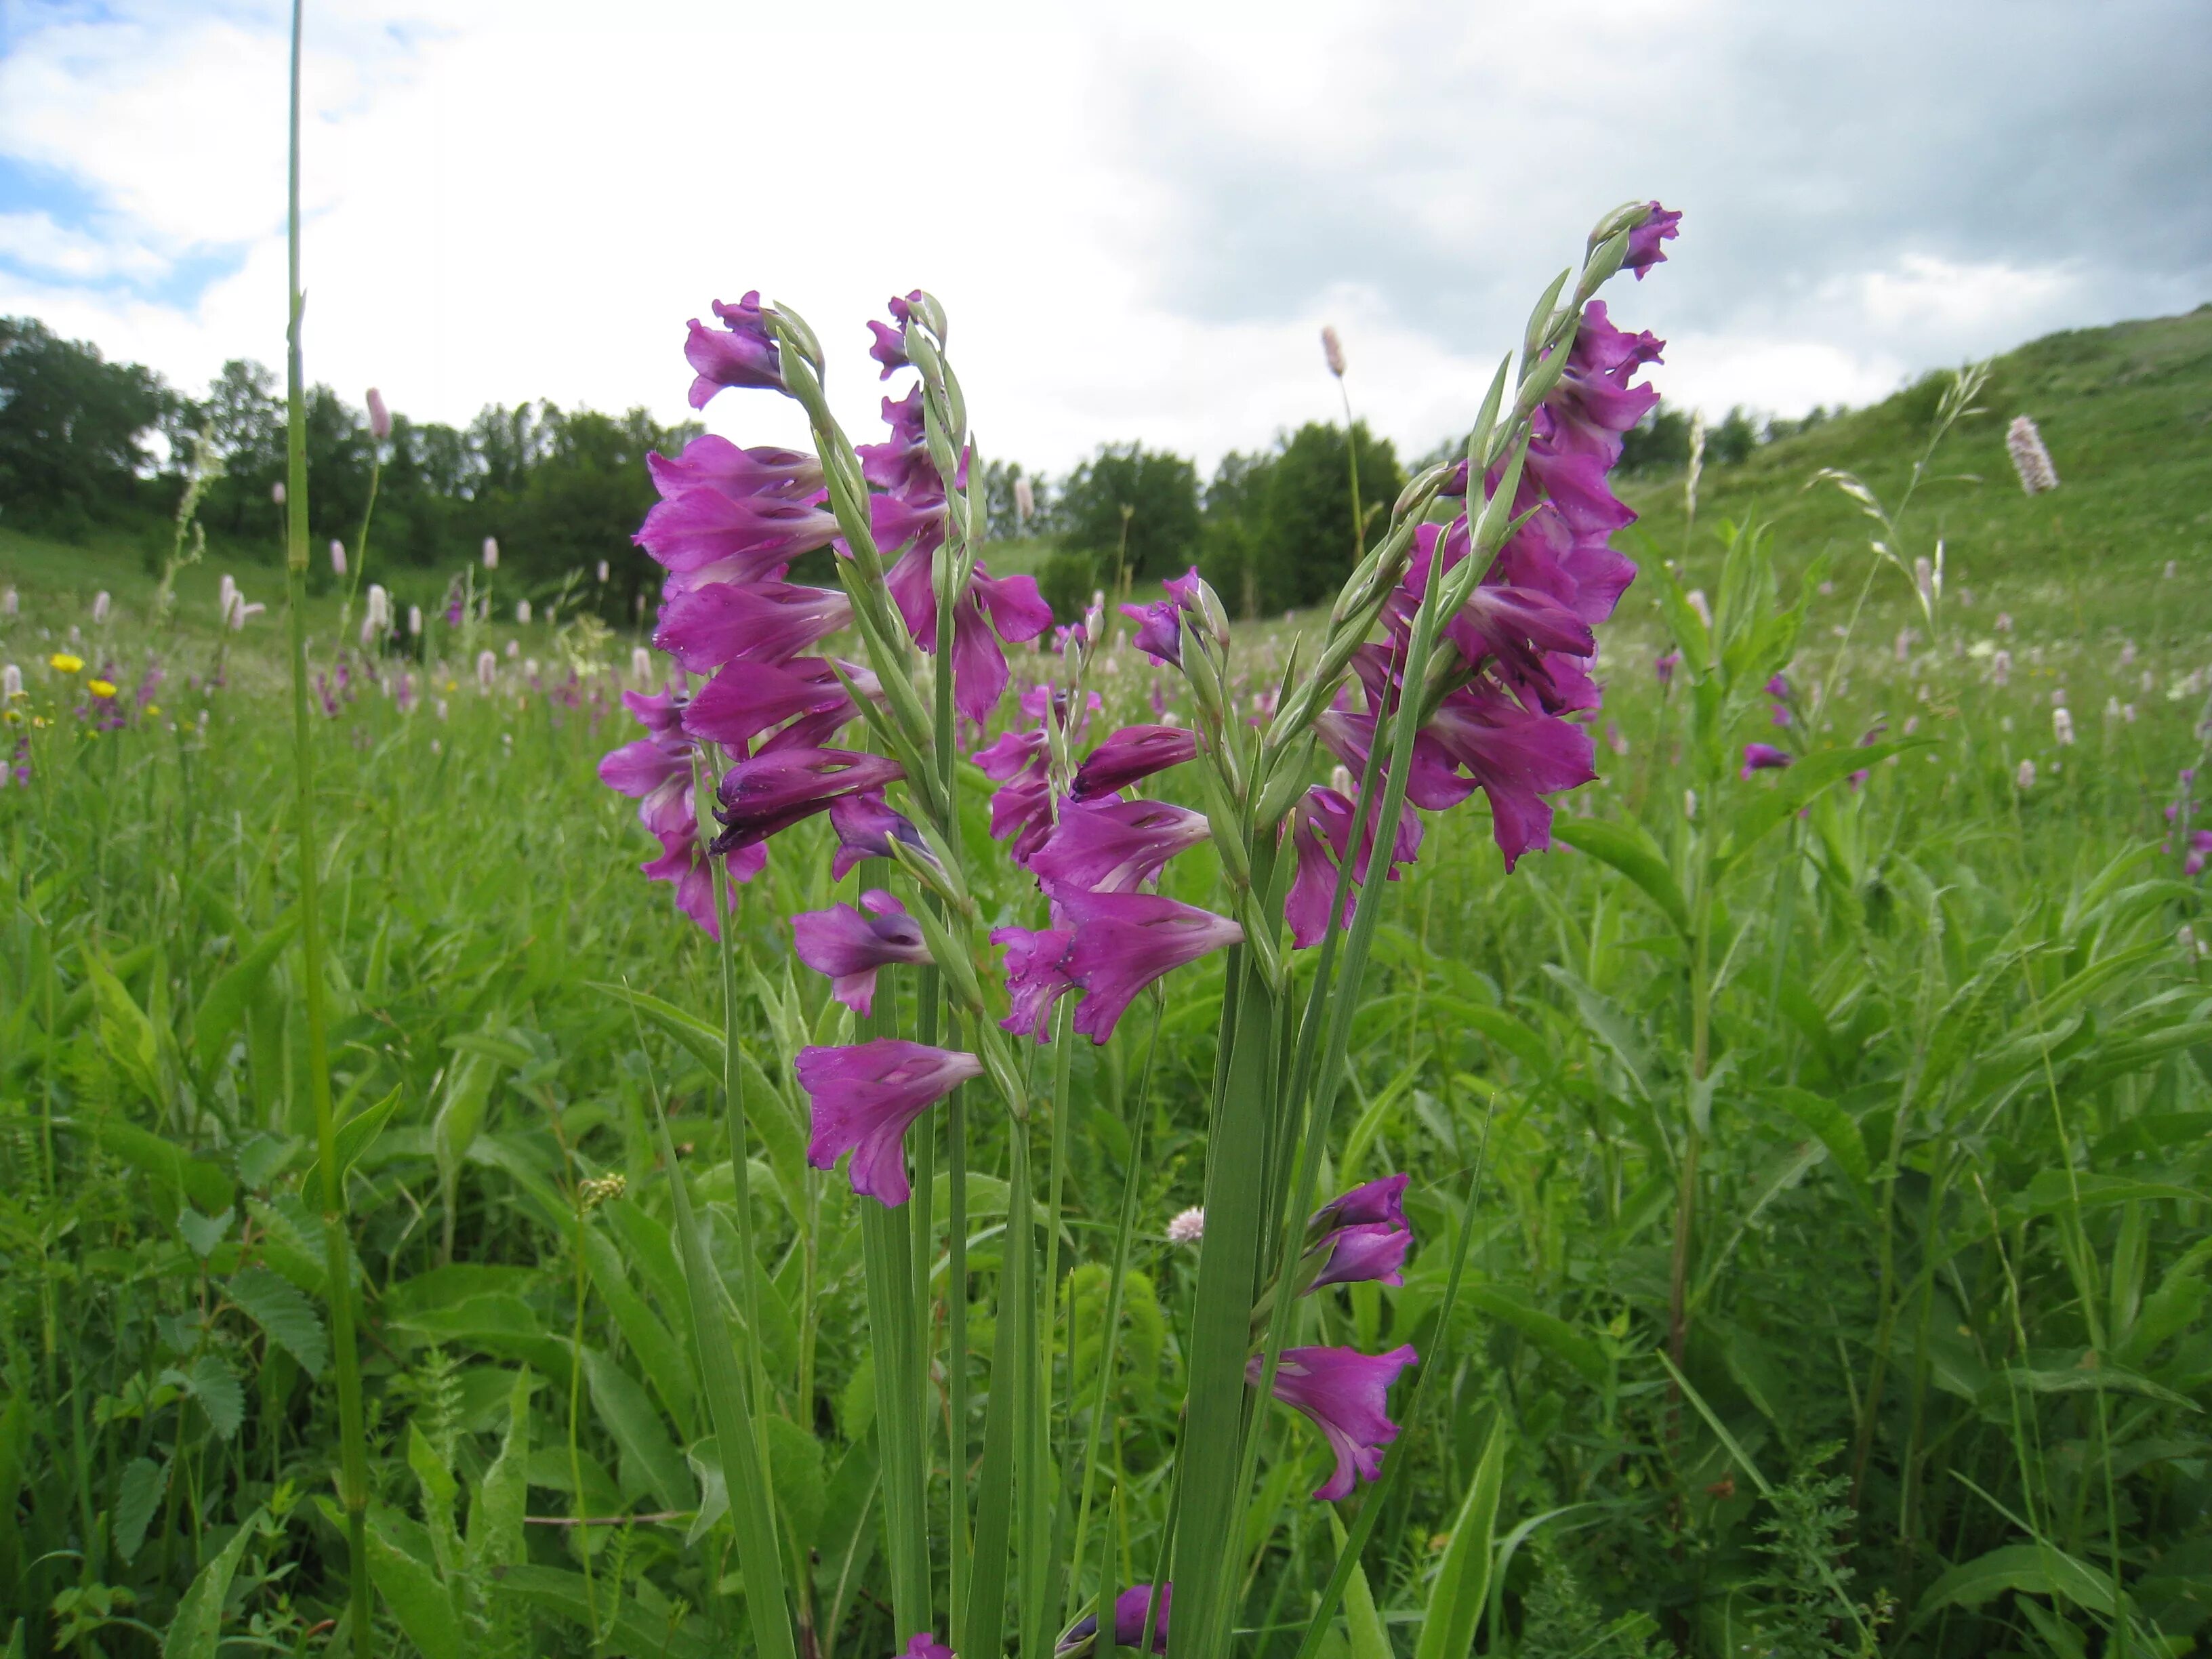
(1139, 216)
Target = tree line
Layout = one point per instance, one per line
(89, 445)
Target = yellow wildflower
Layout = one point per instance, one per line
(62, 663)
(100, 688)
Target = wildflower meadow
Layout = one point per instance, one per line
(1630, 1080)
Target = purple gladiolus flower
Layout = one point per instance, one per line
(888, 349)
(747, 698)
(849, 946)
(709, 462)
(866, 826)
(1159, 630)
(1763, 758)
(1022, 807)
(777, 788)
(1320, 835)
(1345, 1393)
(1130, 755)
(1037, 977)
(1131, 1610)
(764, 621)
(1372, 1204)
(1124, 941)
(1431, 782)
(703, 536)
(864, 1099)
(1644, 249)
(655, 771)
(1114, 848)
(1357, 1255)
(741, 353)
(1516, 758)
(993, 608)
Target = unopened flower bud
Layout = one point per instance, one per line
(99, 605)
(491, 553)
(414, 622)
(487, 669)
(1332, 351)
(277, 492)
(522, 612)
(380, 418)
(1209, 607)
(603, 570)
(337, 559)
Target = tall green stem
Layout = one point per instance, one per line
(353, 1483)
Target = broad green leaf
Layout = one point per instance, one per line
(1462, 1583)
(635, 1424)
(2032, 1569)
(280, 1309)
(848, 1530)
(1628, 848)
(411, 1588)
(1614, 1027)
(207, 1186)
(495, 1535)
(635, 1628)
(1776, 801)
(795, 1462)
(356, 1136)
(195, 1630)
(1838, 1131)
(144, 1482)
(225, 1003)
(460, 1114)
(2093, 1373)
(655, 1351)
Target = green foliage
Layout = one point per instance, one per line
(1134, 510)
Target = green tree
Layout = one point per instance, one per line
(73, 428)
(1159, 492)
(1302, 545)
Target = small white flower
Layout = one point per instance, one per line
(1690, 803)
(491, 553)
(2030, 459)
(277, 492)
(11, 683)
(2128, 713)
(603, 570)
(1332, 351)
(640, 663)
(522, 613)
(414, 622)
(2001, 668)
(1697, 603)
(2061, 726)
(2025, 777)
(100, 603)
(1187, 1227)
(514, 649)
(2004, 623)
(337, 559)
(487, 669)
(10, 604)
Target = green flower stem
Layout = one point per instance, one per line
(353, 1450)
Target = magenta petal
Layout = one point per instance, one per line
(636, 769)
(1345, 1393)
(746, 698)
(1017, 610)
(864, 1099)
(1124, 941)
(849, 946)
(1115, 847)
(1517, 758)
(1130, 755)
(1035, 978)
(766, 621)
(1360, 1255)
(1374, 1203)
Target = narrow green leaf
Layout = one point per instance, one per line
(1628, 848)
(495, 1535)
(1462, 1583)
(1776, 802)
(412, 1590)
(630, 1417)
(196, 1629)
(206, 1185)
(225, 1003)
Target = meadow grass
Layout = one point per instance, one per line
(1836, 1271)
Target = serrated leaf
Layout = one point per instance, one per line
(204, 1232)
(495, 1535)
(144, 1482)
(282, 1310)
(411, 1589)
(216, 1385)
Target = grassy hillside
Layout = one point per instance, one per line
(2127, 414)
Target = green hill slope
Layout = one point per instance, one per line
(2126, 412)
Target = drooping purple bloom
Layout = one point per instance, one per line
(1036, 977)
(1644, 249)
(1022, 806)
(849, 946)
(1371, 1204)
(865, 1097)
(747, 698)
(994, 608)
(867, 826)
(1131, 1608)
(1116, 846)
(1130, 755)
(1430, 783)
(655, 771)
(703, 536)
(888, 349)
(924, 1645)
(1763, 758)
(1159, 630)
(1124, 941)
(761, 622)
(1359, 1254)
(1516, 758)
(1321, 834)
(779, 787)
(741, 352)
(1345, 1393)
(709, 462)
(1577, 432)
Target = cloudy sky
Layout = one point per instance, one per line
(1139, 216)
